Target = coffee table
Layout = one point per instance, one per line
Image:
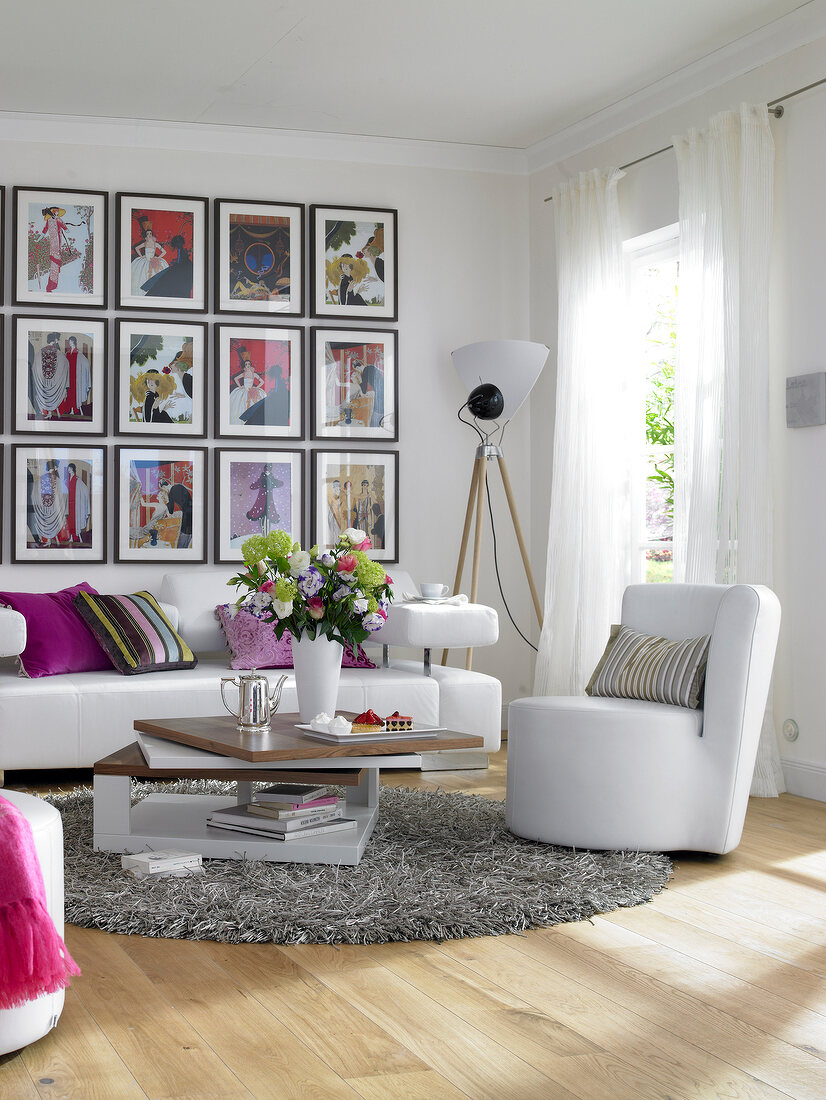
(213, 748)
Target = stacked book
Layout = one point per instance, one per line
(287, 811)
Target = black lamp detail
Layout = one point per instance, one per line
(486, 402)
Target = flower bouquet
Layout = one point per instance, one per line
(340, 594)
(326, 601)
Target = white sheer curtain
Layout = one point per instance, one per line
(722, 513)
(596, 438)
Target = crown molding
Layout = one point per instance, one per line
(801, 26)
(258, 142)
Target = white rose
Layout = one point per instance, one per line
(282, 608)
(355, 536)
(299, 561)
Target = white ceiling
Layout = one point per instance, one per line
(472, 71)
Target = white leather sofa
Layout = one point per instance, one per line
(72, 720)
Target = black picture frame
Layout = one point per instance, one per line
(170, 432)
(222, 495)
(47, 555)
(125, 553)
(261, 308)
(43, 299)
(162, 204)
(224, 334)
(367, 220)
(388, 432)
(100, 369)
(389, 553)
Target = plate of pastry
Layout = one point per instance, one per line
(367, 727)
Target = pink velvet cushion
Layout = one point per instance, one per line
(57, 639)
(253, 643)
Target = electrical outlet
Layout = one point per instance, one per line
(791, 730)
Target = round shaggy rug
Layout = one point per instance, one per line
(438, 866)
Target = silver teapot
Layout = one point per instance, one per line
(255, 702)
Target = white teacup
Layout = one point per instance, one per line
(434, 591)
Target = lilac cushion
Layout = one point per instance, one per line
(57, 639)
(253, 643)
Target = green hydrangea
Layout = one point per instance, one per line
(314, 552)
(286, 589)
(370, 574)
(372, 604)
(254, 549)
(279, 544)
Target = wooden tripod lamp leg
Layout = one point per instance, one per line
(471, 500)
(506, 481)
(477, 541)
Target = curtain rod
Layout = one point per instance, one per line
(774, 108)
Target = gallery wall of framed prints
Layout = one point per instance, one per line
(145, 434)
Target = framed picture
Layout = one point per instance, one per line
(357, 489)
(59, 375)
(160, 504)
(260, 392)
(354, 378)
(162, 252)
(2, 240)
(59, 504)
(259, 257)
(161, 377)
(256, 492)
(353, 258)
(60, 237)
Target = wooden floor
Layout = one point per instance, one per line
(715, 989)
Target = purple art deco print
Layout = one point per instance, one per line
(256, 492)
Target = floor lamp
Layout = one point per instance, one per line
(499, 375)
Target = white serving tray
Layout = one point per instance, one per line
(418, 731)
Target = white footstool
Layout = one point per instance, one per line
(29, 1022)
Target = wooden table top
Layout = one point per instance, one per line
(284, 742)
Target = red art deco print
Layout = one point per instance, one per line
(259, 382)
(161, 253)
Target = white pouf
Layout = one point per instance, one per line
(29, 1022)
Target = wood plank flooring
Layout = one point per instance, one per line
(715, 989)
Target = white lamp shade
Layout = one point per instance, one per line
(512, 365)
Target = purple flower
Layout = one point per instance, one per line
(372, 622)
(327, 559)
(360, 606)
(341, 592)
(310, 582)
(384, 604)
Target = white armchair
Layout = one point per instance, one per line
(622, 774)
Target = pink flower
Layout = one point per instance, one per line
(315, 607)
(346, 564)
(388, 579)
(266, 586)
(366, 545)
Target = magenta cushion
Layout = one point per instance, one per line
(57, 639)
(253, 643)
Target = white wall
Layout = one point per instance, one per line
(648, 200)
(463, 276)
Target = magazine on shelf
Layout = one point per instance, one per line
(240, 815)
(293, 793)
(311, 831)
(274, 809)
(287, 808)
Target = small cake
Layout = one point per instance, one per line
(396, 721)
(369, 722)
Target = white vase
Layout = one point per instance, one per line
(317, 663)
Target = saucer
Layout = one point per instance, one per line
(429, 599)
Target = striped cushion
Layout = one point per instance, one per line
(638, 666)
(134, 633)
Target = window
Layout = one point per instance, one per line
(652, 282)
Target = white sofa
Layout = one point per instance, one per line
(72, 720)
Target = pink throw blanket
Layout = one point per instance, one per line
(33, 957)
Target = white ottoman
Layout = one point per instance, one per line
(29, 1022)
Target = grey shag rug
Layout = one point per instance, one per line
(438, 866)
